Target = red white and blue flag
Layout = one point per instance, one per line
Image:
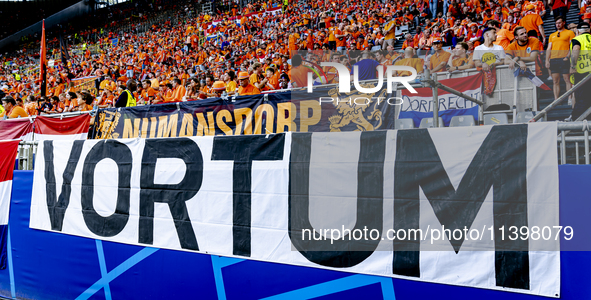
(71, 128)
(533, 78)
(7, 158)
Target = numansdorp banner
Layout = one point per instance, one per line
(404, 203)
(323, 110)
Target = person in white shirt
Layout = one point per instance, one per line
(489, 55)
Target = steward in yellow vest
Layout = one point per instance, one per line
(580, 67)
(126, 99)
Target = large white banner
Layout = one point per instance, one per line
(341, 201)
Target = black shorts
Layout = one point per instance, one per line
(559, 65)
(332, 45)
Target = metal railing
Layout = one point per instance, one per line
(26, 154)
(67, 114)
(28, 149)
(562, 98)
(429, 80)
(565, 128)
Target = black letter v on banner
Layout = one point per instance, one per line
(57, 209)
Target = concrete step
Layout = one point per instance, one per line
(561, 111)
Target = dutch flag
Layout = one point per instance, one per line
(7, 158)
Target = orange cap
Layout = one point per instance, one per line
(219, 86)
(243, 75)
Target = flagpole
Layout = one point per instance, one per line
(42, 62)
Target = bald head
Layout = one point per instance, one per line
(409, 52)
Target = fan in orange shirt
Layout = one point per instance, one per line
(533, 21)
(178, 92)
(557, 56)
(504, 36)
(147, 93)
(246, 88)
(31, 106)
(11, 109)
(410, 61)
(538, 7)
(524, 49)
(271, 81)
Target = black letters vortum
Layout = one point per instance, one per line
(243, 150)
(500, 162)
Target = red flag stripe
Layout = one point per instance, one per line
(15, 129)
(71, 125)
(7, 158)
(459, 84)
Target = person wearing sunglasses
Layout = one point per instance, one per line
(557, 56)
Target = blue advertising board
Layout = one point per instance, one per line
(47, 265)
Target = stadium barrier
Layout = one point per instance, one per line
(576, 128)
(556, 102)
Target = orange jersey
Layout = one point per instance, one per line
(248, 90)
(516, 50)
(416, 63)
(531, 22)
(438, 58)
(504, 38)
(31, 109)
(560, 45)
(461, 61)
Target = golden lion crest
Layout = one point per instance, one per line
(107, 123)
(351, 111)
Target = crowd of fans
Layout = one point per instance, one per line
(247, 50)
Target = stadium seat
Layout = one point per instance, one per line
(496, 119)
(524, 116)
(401, 30)
(428, 123)
(405, 123)
(458, 121)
